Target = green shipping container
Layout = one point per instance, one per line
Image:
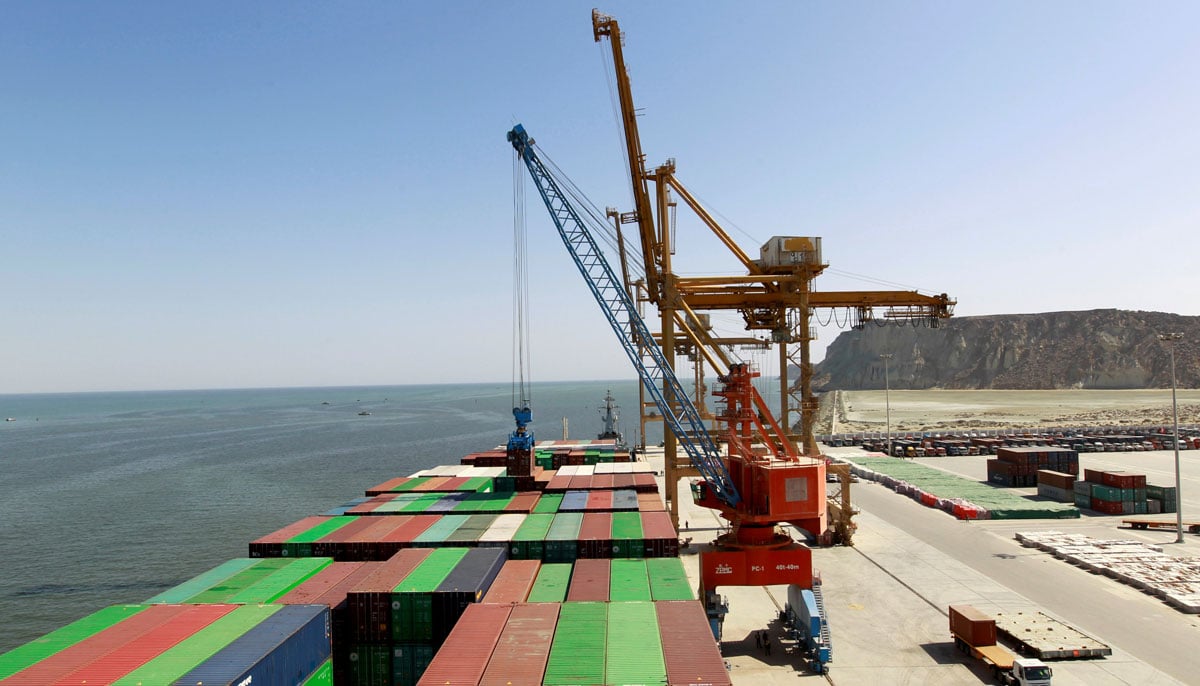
(562, 538)
(439, 531)
(412, 600)
(300, 545)
(370, 665)
(409, 662)
(186, 655)
(634, 648)
(627, 535)
(412, 483)
(548, 503)
(222, 591)
(628, 581)
(527, 542)
(277, 585)
(1102, 492)
(321, 676)
(577, 654)
(479, 483)
(39, 649)
(668, 580)
(471, 530)
(212, 577)
(551, 583)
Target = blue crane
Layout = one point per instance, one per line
(619, 309)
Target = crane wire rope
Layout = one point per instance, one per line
(521, 369)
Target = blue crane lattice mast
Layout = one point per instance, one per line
(618, 307)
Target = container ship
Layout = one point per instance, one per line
(564, 570)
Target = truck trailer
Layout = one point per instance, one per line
(975, 635)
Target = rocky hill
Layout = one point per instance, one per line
(1101, 349)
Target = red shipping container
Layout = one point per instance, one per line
(972, 626)
(623, 481)
(370, 505)
(514, 582)
(410, 529)
(590, 580)
(559, 483)
(602, 481)
(1056, 479)
(319, 584)
(601, 501)
(523, 502)
(1094, 476)
(293, 529)
(650, 502)
(524, 646)
(387, 486)
(581, 482)
(464, 657)
(453, 483)
(595, 535)
(118, 650)
(431, 484)
(661, 539)
(364, 545)
(690, 652)
(644, 483)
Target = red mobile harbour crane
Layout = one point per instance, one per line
(759, 481)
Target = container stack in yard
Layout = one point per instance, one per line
(1019, 466)
(1057, 486)
(1113, 493)
(432, 578)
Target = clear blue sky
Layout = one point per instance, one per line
(200, 195)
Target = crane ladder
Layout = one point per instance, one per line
(617, 304)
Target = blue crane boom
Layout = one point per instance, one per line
(618, 306)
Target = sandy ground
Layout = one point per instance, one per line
(853, 411)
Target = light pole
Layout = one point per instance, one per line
(1170, 339)
(887, 400)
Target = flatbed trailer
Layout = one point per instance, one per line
(1039, 635)
(1192, 527)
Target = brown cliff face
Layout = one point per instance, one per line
(1101, 349)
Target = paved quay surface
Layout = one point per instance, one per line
(887, 597)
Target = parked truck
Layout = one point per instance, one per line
(975, 635)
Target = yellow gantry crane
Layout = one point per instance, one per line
(776, 294)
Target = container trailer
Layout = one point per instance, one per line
(975, 635)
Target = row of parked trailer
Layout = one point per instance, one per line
(1083, 440)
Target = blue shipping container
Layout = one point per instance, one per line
(283, 650)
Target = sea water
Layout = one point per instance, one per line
(110, 498)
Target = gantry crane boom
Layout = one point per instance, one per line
(604, 25)
(771, 297)
(618, 307)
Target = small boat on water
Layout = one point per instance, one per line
(364, 413)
